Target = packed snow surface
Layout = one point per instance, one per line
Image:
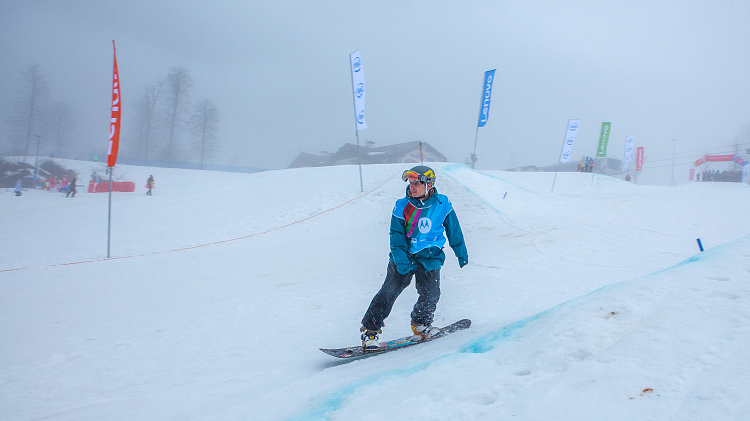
(591, 302)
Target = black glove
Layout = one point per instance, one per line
(463, 261)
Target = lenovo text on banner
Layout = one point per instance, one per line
(484, 109)
(601, 152)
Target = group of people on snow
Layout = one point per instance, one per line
(68, 186)
(54, 184)
(586, 164)
(64, 185)
(717, 175)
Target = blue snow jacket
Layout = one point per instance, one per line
(418, 231)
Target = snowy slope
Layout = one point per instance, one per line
(222, 287)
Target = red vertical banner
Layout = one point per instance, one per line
(639, 159)
(692, 174)
(114, 121)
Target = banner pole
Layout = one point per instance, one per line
(474, 153)
(359, 162)
(114, 138)
(356, 129)
(565, 138)
(109, 215)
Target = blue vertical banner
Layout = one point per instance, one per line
(358, 89)
(484, 109)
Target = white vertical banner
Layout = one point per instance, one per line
(628, 152)
(567, 147)
(358, 89)
(570, 136)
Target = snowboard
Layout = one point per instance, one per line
(354, 352)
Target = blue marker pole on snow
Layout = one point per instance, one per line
(700, 245)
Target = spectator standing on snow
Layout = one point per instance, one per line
(420, 223)
(19, 187)
(150, 184)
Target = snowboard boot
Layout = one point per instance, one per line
(370, 340)
(425, 331)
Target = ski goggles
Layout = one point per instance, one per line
(414, 177)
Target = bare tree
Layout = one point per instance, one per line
(177, 92)
(146, 109)
(205, 124)
(60, 127)
(30, 110)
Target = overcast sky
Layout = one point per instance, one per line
(278, 71)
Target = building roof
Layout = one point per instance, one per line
(351, 154)
(309, 160)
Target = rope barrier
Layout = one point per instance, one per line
(216, 242)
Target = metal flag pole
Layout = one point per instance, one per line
(356, 127)
(359, 161)
(474, 153)
(109, 170)
(109, 215)
(356, 130)
(565, 138)
(114, 138)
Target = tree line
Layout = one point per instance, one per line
(35, 118)
(164, 123)
(169, 127)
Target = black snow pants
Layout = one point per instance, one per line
(428, 288)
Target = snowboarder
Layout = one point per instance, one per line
(419, 225)
(150, 184)
(19, 187)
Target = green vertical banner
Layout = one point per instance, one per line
(603, 139)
